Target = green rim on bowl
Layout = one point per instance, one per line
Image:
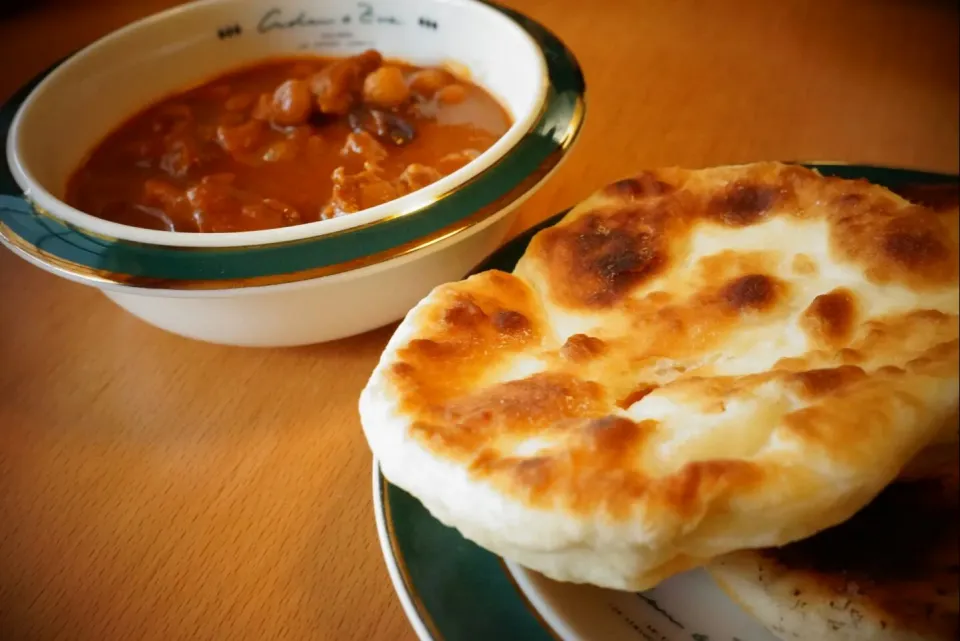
(453, 589)
(96, 259)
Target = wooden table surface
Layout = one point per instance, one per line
(156, 488)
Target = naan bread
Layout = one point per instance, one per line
(692, 362)
(890, 573)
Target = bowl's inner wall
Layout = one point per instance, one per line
(93, 93)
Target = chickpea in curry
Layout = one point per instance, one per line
(287, 142)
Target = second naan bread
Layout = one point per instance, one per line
(691, 363)
(890, 573)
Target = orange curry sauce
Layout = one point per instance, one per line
(286, 142)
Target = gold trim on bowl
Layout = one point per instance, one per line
(96, 277)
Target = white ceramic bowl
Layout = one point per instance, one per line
(312, 282)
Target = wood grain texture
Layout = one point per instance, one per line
(156, 488)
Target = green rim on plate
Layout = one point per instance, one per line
(101, 259)
(458, 591)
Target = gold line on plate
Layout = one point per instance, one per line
(412, 593)
(414, 596)
(526, 602)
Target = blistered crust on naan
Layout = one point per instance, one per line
(690, 363)
(631, 237)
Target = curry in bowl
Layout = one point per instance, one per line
(285, 142)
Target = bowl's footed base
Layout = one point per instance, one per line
(314, 311)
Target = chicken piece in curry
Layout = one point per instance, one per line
(287, 142)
